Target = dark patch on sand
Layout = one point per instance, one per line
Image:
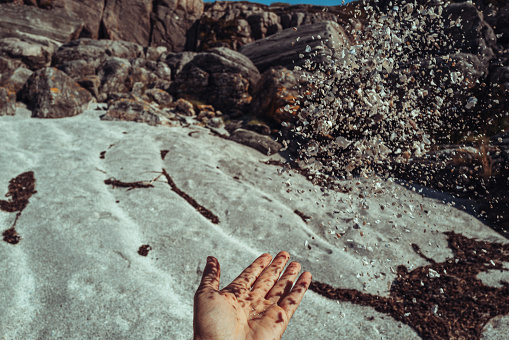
(144, 249)
(164, 153)
(441, 300)
(20, 189)
(201, 209)
(303, 216)
(131, 185)
(102, 154)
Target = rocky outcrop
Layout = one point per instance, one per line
(235, 24)
(50, 93)
(134, 110)
(220, 77)
(290, 47)
(32, 35)
(171, 23)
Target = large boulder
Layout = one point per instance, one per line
(32, 35)
(15, 79)
(171, 21)
(275, 95)
(289, 47)
(89, 11)
(469, 33)
(50, 93)
(220, 77)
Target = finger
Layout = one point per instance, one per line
(211, 274)
(250, 274)
(290, 302)
(271, 274)
(285, 283)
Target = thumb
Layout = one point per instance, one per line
(211, 274)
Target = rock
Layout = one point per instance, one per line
(127, 20)
(32, 35)
(89, 11)
(235, 24)
(184, 107)
(50, 93)
(91, 53)
(91, 83)
(177, 61)
(134, 110)
(14, 80)
(275, 94)
(113, 74)
(220, 77)
(171, 21)
(284, 48)
(161, 97)
(472, 35)
(7, 102)
(264, 144)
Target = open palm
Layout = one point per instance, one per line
(257, 305)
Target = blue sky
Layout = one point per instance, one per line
(294, 2)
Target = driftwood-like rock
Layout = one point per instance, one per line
(262, 143)
(50, 93)
(289, 47)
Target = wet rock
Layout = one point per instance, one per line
(32, 35)
(220, 77)
(275, 94)
(50, 93)
(289, 47)
(262, 143)
(7, 102)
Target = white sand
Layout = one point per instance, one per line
(76, 272)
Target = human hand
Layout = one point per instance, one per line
(256, 305)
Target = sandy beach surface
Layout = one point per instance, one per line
(76, 271)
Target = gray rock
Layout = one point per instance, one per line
(284, 48)
(127, 20)
(177, 61)
(473, 35)
(93, 53)
(113, 73)
(262, 143)
(7, 102)
(134, 110)
(50, 93)
(32, 35)
(171, 21)
(220, 77)
(14, 80)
